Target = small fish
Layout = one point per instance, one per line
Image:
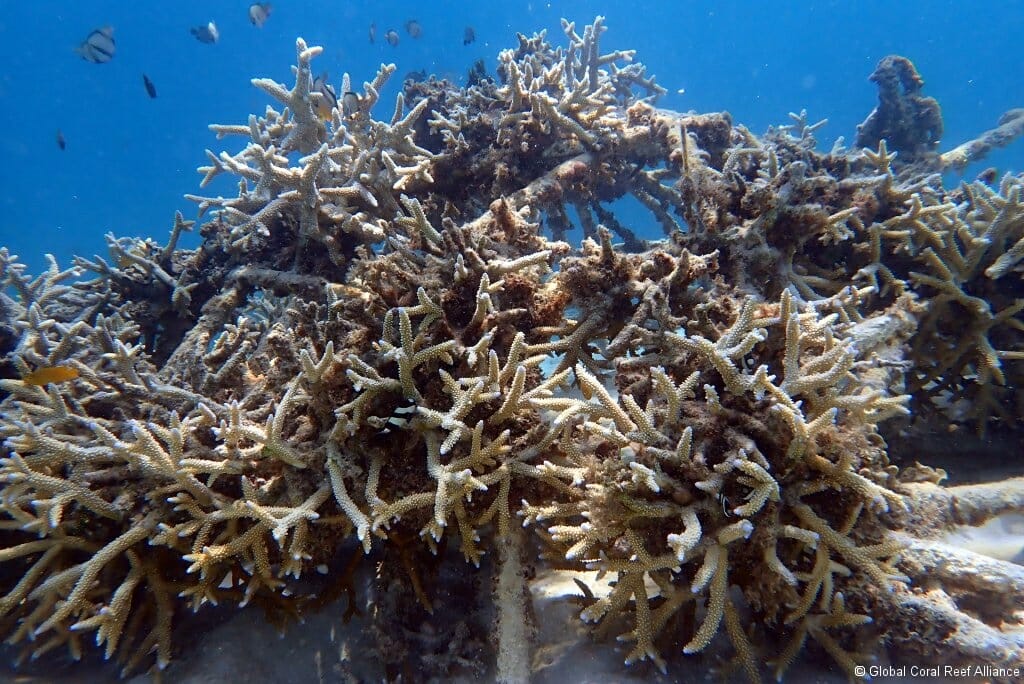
(391, 37)
(989, 175)
(98, 47)
(206, 34)
(150, 88)
(259, 12)
(48, 374)
(328, 102)
(61, 142)
(399, 418)
(413, 28)
(373, 33)
(349, 104)
(468, 36)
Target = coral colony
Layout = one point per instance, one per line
(385, 342)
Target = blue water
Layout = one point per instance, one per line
(129, 158)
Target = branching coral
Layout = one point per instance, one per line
(386, 343)
(676, 494)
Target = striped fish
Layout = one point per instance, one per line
(328, 100)
(98, 47)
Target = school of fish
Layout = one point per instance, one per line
(99, 47)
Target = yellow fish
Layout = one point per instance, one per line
(48, 374)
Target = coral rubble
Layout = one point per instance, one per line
(386, 342)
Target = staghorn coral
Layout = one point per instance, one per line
(659, 487)
(972, 325)
(385, 342)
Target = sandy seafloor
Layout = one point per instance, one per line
(239, 645)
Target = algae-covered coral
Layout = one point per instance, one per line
(385, 341)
